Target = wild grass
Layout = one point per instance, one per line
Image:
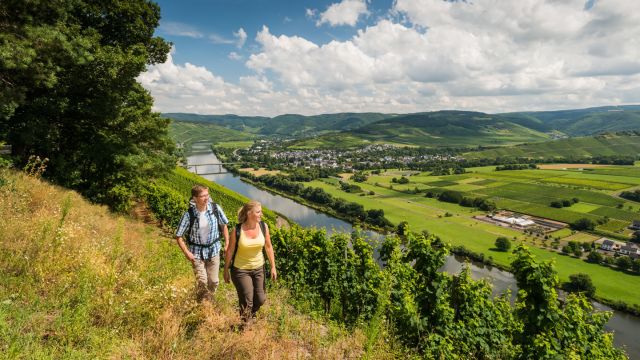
(81, 283)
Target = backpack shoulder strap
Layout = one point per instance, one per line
(263, 228)
(216, 213)
(192, 219)
(235, 250)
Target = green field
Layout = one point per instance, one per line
(460, 228)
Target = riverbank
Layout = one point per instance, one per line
(566, 266)
(324, 209)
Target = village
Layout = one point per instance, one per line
(370, 156)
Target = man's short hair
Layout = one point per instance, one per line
(197, 189)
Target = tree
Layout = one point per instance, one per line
(624, 262)
(594, 257)
(580, 283)
(69, 93)
(450, 196)
(359, 176)
(556, 204)
(503, 243)
(583, 224)
(402, 228)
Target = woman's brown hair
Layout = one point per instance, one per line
(245, 209)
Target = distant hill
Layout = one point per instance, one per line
(236, 122)
(189, 132)
(580, 122)
(284, 125)
(439, 128)
(601, 145)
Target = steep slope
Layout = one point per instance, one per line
(187, 133)
(80, 282)
(602, 145)
(287, 125)
(581, 122)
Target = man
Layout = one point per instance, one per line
(198, 235)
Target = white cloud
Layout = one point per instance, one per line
(219, 39)
(179, 29)
(490, 55)
(235, 56)
(346, 12)
(241, 37)
(310, 13)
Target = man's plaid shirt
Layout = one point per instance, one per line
(203, 249)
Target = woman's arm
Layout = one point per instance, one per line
(269, 249)
(228, 255)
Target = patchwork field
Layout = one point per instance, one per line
(524, 191)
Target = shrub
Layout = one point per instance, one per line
(580, 283)
(624, 262)
(583, 224)
(594, 257)
(503, 244)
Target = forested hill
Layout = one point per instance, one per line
(438, 128)
(288, 124)
(579, 147)
(580, 122)
(448, 128)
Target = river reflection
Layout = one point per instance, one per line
(625, 326)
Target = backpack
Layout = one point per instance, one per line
(192, 219)
(263, 229)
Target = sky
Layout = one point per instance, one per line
(272, 57)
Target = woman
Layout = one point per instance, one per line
(244, 260)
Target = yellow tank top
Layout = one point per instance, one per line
(249, 255)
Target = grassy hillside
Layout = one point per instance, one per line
(442, 128)
(581, 122)
(603, 145)
(439, 128)
(292, 124)
(283, 125)
(79, 282)
(236, 122)
(189, 132)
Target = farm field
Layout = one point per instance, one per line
(532, 191)
(454, 223)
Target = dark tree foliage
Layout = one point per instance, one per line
(583, 224)
(631, 195)
(580, 283)
(624, 262)
(359, 176)
(595, 257)
(450, 196)
(503, 243)
(69, 93)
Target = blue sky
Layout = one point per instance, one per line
(212, 25)
(272, 57)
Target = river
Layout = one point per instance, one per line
(625, 326)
